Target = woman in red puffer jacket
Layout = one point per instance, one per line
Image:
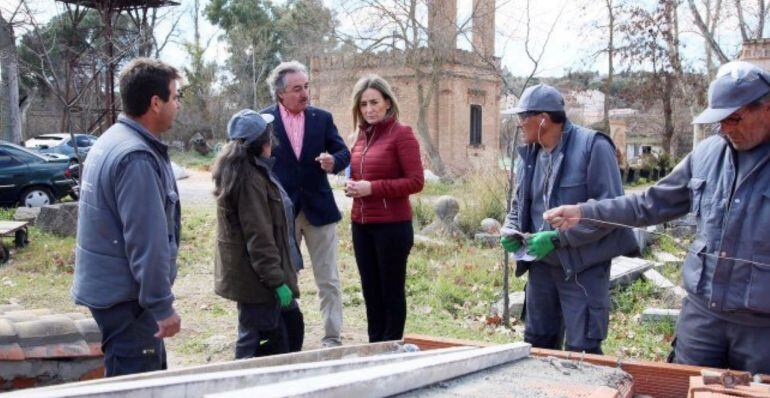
(385, 168)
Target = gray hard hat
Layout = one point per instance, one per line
(737, 84)
(541, 97)
(248, 125)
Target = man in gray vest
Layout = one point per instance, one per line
(128, 225)
(725, 184)
(569, 278)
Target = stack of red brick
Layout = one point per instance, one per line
(39, 347)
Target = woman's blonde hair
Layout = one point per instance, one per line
(379, 84)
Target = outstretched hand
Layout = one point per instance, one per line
(563, 217)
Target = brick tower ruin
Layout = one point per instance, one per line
(464, 114)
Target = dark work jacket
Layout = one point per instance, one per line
(578, 175)
(128, 222)
(254, 247)
(304, 179)
(733, 219)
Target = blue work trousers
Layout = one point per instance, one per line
(703, 339)
(128, 340)
(578, 306)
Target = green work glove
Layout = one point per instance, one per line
(542, 243)
(510, 244)
(284, 295)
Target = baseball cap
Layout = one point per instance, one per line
(737, 84)
(248, 125)
(541, 97)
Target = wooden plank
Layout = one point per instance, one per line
(7, 227)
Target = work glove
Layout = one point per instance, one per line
(510, 244)
(542, 243)
(284, 295)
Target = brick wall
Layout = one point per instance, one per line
(465, 82)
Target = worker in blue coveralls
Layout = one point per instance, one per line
(569, 271)
(725, 184)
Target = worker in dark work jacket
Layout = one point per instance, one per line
(725, 184)
(569, 272)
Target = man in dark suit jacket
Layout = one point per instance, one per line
(309, 147)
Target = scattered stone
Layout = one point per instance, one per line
(667, 258)
(626, 270)
(179, 171)
(487, 240)
(658, 280)
(59, 219)
(444, 225)
(515, 305)
(652, 315)
(490, 226)
(198, 143)
(684, 226)
(29, 214)
(430, 177)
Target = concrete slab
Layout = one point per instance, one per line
(626, 270)
(324, 354)
(197, 385)
(534, 378)
(651, 315)
(390, 379)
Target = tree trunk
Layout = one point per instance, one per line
(424, 132)
(668, 112)
(9, 84)
(610, 70)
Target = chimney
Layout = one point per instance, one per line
(442, 25)
(483, 34)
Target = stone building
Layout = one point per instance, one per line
(464, 114)
(757, 52)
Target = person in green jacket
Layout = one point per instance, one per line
(257, 256)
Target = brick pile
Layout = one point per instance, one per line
(39, 347)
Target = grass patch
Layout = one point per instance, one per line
(192, 159)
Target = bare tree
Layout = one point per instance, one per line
(9, 81)
(745, 14)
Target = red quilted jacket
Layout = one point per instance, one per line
(386, 154)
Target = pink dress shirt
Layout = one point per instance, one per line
(295, 128)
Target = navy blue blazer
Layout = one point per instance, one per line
(304, 179)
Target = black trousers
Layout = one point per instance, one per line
(381, 252)
(128, 340)
(260, 331)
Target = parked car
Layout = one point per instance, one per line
(62, 143)
(32, 179)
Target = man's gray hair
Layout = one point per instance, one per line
(277, 78)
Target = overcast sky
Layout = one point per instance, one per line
(573, 45)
